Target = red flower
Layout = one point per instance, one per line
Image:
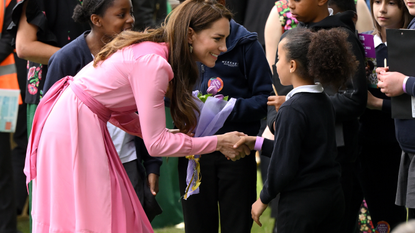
(31, 72)
(32, 89)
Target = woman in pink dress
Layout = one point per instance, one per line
(79, 184)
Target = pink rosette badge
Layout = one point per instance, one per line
(214, 110)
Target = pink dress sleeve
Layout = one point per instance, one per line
(129, 122)
(149, 81)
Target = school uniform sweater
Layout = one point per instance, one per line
(304, 155)
(349, 102)
(63, 62)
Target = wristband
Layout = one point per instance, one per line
(404, 84)
(258, 143)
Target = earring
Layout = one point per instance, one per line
(191, 48)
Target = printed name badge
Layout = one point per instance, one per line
(217, 83)
(383, 227)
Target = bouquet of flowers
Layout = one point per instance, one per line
(214, 110)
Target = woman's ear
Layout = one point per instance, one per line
(96, 20)
(190, 34)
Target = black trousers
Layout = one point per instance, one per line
(7, 197)
(18, 158)
(228, 190)
(379, 176)
(20, 138)
(318, 210)
(353, 197)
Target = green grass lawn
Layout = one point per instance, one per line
(266, 220)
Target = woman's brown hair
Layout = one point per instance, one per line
(406, 17)
(196, 14)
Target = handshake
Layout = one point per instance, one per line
(235, 145)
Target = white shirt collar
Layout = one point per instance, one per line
(317, 88)
(377, 41)
(330, 11)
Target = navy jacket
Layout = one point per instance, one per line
(69, 60)
(246, 76)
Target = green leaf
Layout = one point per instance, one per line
(203, 98)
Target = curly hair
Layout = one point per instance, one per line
(196, 14)
(328, 58)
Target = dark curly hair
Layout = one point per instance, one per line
(82, 13)
(328, 58)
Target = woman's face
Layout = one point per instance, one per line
(209, 43)
(118, 17)
(387, 13)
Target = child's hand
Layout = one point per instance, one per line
(390, 83)
(153, 183)
(276, 101)
(246, 140)
(257, 209)
(373, 102)
(380, 70)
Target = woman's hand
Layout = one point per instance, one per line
(226, 143)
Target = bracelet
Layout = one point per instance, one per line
(258, 143)
(404, 84)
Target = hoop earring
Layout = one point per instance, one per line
(191, 48)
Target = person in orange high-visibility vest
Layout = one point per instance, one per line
(8, 80)
(8, 75)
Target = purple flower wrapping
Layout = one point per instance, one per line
(213, 114)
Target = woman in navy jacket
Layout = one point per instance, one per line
(244, 74)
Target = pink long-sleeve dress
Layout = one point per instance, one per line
(79, 184)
